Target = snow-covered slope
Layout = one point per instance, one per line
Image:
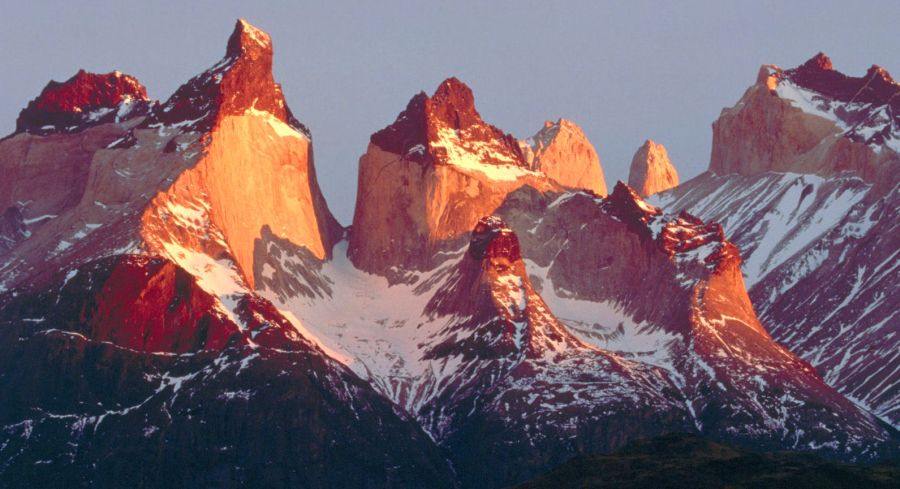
(173, 288)
(667, 290)
(811, 119)
(819, 238)
(820, 258)
(648, 305)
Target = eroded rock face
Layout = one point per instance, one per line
(817, 259)
(426, 178)
(651, 170)
(519, 374)
(439, 167)
(669, 289)
(255, 152)
(811, 119)
(172, 184)
(241, 82)
(85, 100)
(12, 229)
(561, 151)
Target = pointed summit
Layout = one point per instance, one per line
(454, 104)
(651, 170)
(561, 151)
(248, 40)
(241, 82)
(818, 62)
(428, 126)
(818, 74)
(86, 99)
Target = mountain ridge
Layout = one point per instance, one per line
(489, 312)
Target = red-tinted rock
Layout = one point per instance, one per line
(651, 170)
(491, 238)
(451, 107)
(812, 119)
(240, 82)
(875, 87)
(12, 229)
(154, 305)
(82, 101)
(561, 151)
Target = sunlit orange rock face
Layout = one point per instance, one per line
(561, 151)
(811, 119)
(255, 169)
(651, 170)
(205, 172)
(439, 168)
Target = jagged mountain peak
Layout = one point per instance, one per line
(787, 122)
(820, 61)
(248, 40)
(651, 170)
(453, 103)
(430, 128)
(818, 74)
(86, 99)
(240, 83)
(492, 238)
(562, 151)
(624, 202)
(498, 312)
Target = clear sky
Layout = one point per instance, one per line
(624, 71)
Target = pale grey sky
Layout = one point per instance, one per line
(624, 71)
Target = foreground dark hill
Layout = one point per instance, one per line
(682, 460)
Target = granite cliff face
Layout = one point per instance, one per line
(129, 248)
(813, 209)
(437, 169)
(170, 183)
(811, 119)
(561, 151)
(174, 289)
(651, 171)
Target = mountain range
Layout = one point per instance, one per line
(175, 290)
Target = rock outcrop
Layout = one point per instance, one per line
(173, 289)
(515, 372)
(811, 119)
(128, 310)
(85, 100)
(818, 240)
(561, 151)
(818, 254)
(651, 171)
(425, 178)
(12, 229)
(202, 174)
(437, 169)
(668, 290)
(241, 82)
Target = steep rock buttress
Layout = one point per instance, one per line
(439, 167)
